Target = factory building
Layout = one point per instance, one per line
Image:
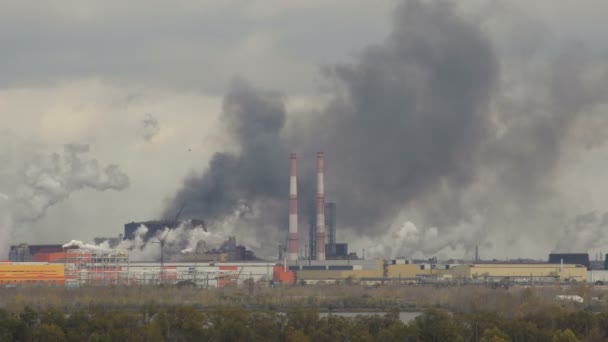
(570, 258)
(336, 271)
(522, 272)
(333, 250)
(37, 253)
(111, 267)
(31, 274)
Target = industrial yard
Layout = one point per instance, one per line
(192, 255)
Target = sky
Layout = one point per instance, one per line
(107, 109)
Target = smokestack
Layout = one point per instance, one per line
(293, 209)
(320, 208)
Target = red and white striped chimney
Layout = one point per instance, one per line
(320, 241)
(293, 209)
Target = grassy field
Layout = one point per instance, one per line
(329, 297)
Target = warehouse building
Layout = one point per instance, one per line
(521, 272)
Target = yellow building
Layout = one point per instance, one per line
(531, 272)
(31, 274)
(408, 270)
(330, 276)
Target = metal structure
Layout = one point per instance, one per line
(96, 267)
(330, 225)
(292, 243)
(320, 234)
(161, 241)
(312, 237)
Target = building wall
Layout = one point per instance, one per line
(49, 257)
(31, 274)
(562, 272)
(372, 270)
(408, 270)
(203, 274)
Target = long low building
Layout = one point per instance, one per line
(391, 271)
(521, 272)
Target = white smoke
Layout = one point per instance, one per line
(184, 239)
(408, 241)
(33, 183)
(49, 180)
(80, 244)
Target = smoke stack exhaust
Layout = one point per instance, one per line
(320, 241)
(293, 209)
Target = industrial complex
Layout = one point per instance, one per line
(322, 260)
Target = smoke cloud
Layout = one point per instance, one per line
(42, 181)
(182, 240)
(587, 231)
(149, 127)
(244, 181)
(431, 123)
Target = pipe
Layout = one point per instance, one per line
(293, 209)
(320, 241)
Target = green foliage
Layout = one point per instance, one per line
(9, 325)
(564, 336)
(47, 333)
(153, 322)
(435, 326)
(494, 335)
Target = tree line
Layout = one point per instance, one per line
(187, 323)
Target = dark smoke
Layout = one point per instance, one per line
(421, 120)
(411, 113)
(236, 182)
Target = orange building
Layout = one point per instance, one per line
(31, 274)
(280, 274)
(226, 277)
(49, 257)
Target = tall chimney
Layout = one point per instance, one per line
(320, 208)
(293, 209)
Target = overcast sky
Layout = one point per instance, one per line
(93, 72)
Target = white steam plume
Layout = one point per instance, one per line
(412, 242)
(34, 183)
(181, 240)
(50, 180)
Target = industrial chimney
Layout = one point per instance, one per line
(320, 243)
(293, 209)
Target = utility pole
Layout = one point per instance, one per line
(161, 241)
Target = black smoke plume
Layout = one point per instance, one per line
(418, 121)
(236, 181)
(409, 113)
